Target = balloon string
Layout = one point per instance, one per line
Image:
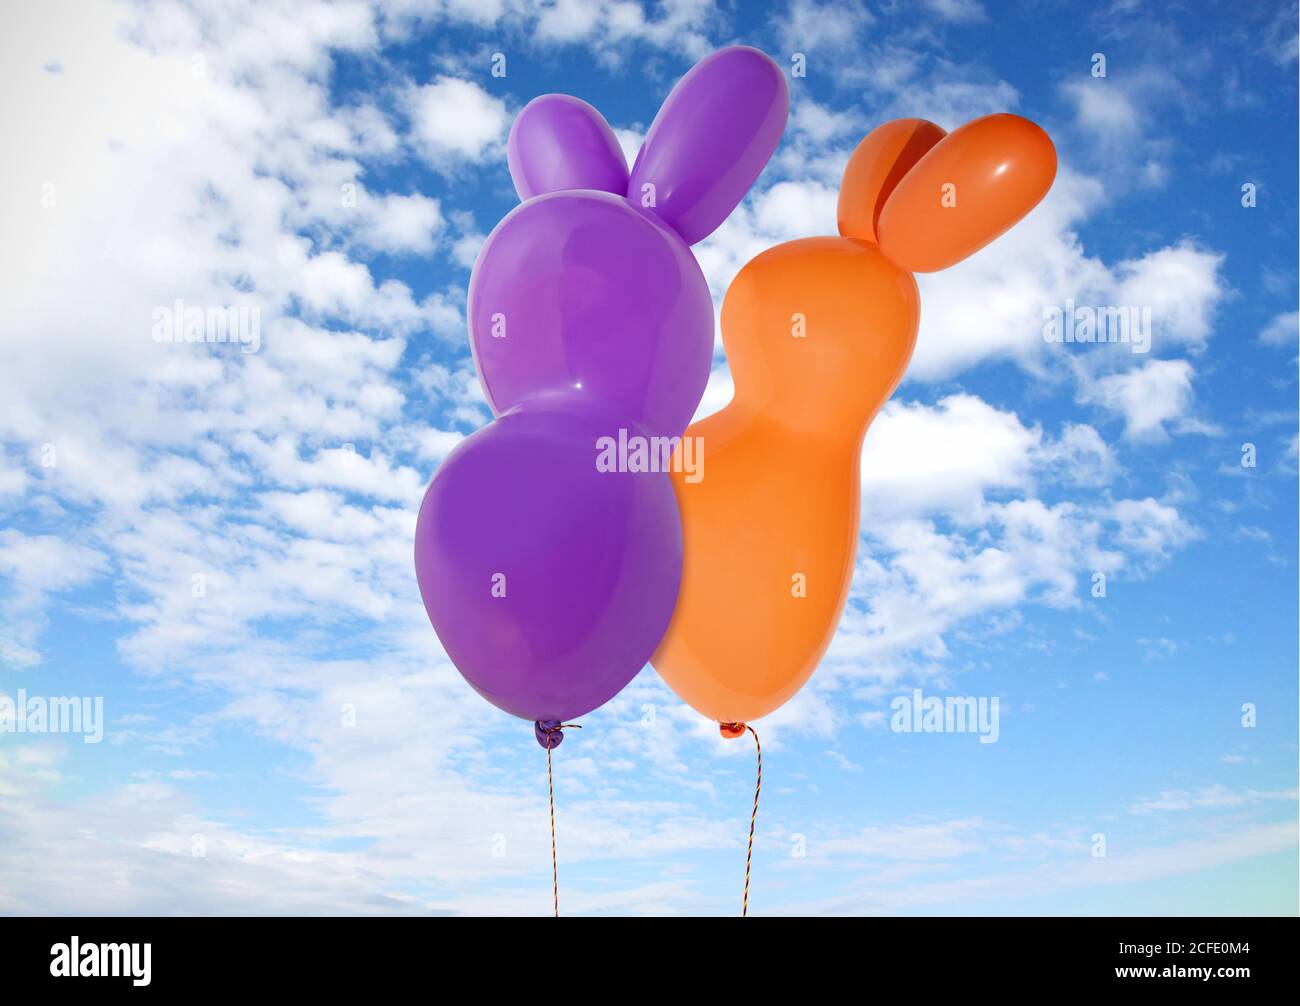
(555, 871)
(550, 790)
(736, 728)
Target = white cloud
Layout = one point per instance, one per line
(819, 124)
(13, 479)
(794, 208)
(783, 212)
(570, 20)
(1080, 457)
(953, 535)
(1282, 330)
(629, 141)
(1103, 107)
(809, 26)
(1149, 528)
(35, 568)
(396, 223)
(604, 24)
(1067, 868)
(947, 840)
(939, 97)
(1149, 397)
(919, 458)
(455, 121)
(1206, 798)
(401, 17)
(717, 393)
(961, 11)
(1182, 286)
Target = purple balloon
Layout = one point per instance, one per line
(581, 291)
(549, 582)
(560, 142)
(711, 139)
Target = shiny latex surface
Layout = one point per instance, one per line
(970, 187)
(581, 291)
(548, 581)
(770, 531)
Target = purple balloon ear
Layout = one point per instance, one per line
(710, 140)
(560, 142)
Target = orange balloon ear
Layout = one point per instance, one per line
(877, 165)
(969, 188)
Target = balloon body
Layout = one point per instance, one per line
(970, 187)
(818, 333)
(549, 582)
(770, 532)
(582, 291)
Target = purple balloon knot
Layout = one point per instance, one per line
(549, 733)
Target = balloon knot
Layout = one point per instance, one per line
(550, 733)
(732, 730)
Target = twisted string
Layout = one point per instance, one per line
(550, 790)
(736, 729)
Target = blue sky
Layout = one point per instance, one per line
(218, 543)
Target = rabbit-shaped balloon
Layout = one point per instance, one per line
(589, 285)
(549, 579)
(818, 333)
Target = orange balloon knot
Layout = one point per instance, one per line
(732, 730)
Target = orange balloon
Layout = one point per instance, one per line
(818, 333)
(971, 186)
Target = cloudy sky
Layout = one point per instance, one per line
(218, 542)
